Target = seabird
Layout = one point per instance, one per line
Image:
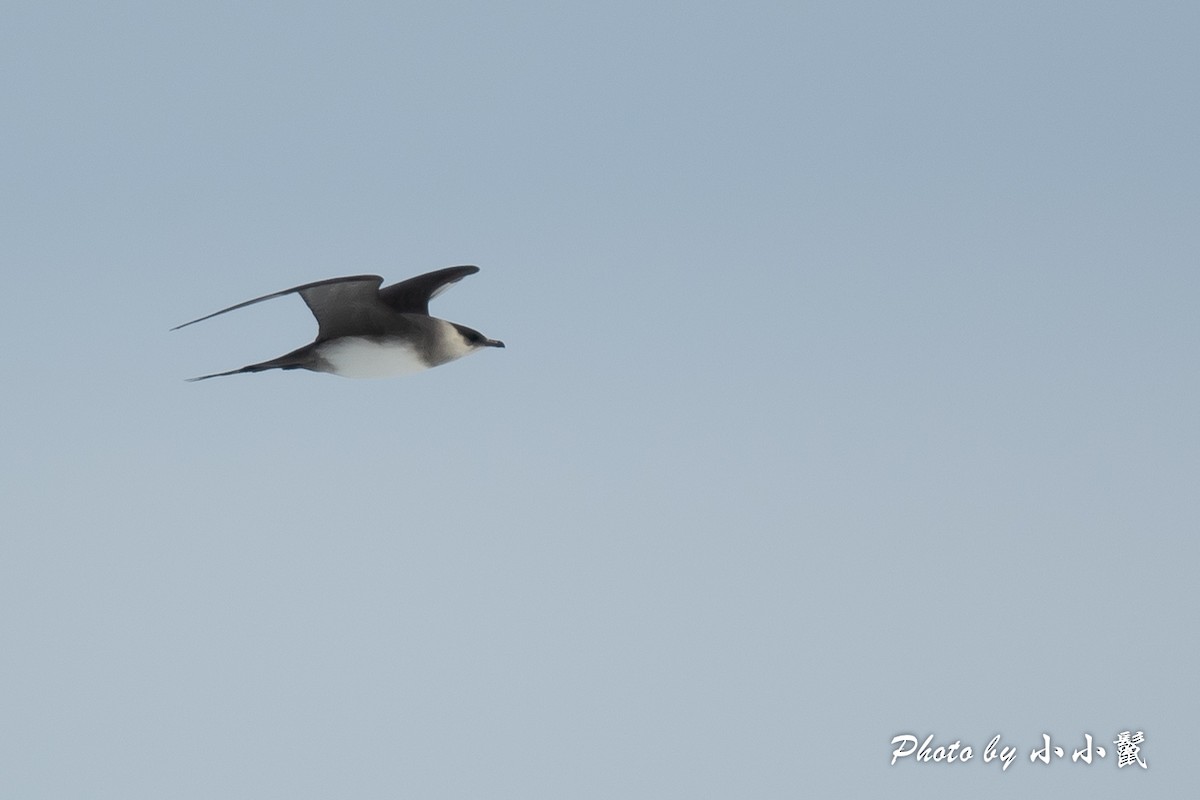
(364, 331)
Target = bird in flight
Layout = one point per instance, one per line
(364, 331)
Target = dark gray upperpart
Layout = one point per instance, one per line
(357, 306)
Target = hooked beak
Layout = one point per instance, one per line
(493, 343)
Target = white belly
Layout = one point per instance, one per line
(360, 357)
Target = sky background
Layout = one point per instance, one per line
(850, 391)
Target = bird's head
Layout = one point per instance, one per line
(475, 340)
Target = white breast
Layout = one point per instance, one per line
(361, 357)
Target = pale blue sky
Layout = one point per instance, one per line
(850, 391)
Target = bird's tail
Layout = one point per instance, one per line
(297, 359)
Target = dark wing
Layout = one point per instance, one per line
(413, 295)
(337, 303)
